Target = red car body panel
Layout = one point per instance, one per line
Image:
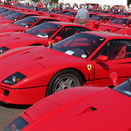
(81, 108)
(95, 23)
(124, 31)
(19, 39)
(4, 21)
(40, 64)
(112, 27)
(9, 27)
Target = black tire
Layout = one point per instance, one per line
(66, 78)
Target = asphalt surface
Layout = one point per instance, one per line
(8, 113)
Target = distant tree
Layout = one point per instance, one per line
(54, 1)
(36, 0)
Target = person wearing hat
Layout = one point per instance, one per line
(82, 14)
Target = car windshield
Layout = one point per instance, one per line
(97, 18)
(26, 22)
(111, 12)
(69, 13)
(45, 9)
(122, 13)
(3, 10)
(120, 21)
(58, 12)
(92, 10)
(17, 125)
(101, 11)
(44, 30)
(124, 88)
(79, 45)
(14, 16)
(8, 13)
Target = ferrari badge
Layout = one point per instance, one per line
(89, 66)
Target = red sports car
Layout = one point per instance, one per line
(15, 17)
(8, 13)
(31, 73)
(2, 10)
(115, 25)
(79, 109)
(40, 35)
(97, 19)
(25, 23)
(123, 14)
(66, 16)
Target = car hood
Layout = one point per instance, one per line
(18, 39)
(81, 108)
(11, 27)
(3, 21)
(22, 59)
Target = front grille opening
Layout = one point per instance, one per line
(6, 93)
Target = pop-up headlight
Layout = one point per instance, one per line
(3, 49)
(13, 79)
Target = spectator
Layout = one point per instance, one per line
(35, 6)
(51, 7)
(82, 14)
(75, 7)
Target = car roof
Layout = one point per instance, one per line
(46, 17)
(29, 13)
(105, 15)
(65, 23)
(124, 18)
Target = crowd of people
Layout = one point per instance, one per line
(65, 5)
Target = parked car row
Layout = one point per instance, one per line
(73, 74)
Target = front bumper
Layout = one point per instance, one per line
(24, 96)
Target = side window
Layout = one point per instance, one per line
(109, 18)
(120, 49)
(60, 33)
(103, 51)
(41, 21)
(69, 31)
(115, 49)
(129, 23)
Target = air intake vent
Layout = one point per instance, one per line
(89, 109)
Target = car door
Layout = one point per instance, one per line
(119, 61)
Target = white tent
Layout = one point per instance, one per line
(100, 2)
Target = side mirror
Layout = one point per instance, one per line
(105, 21)
(58, 38)
(102, 58)
(114, 78)
(129, 25)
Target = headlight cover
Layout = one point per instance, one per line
(16, 125)
(3, 49)
(13, 79)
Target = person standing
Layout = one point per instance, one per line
(51, 7)
(82, 14)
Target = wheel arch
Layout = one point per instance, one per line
(81, 74)
(74, 69)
